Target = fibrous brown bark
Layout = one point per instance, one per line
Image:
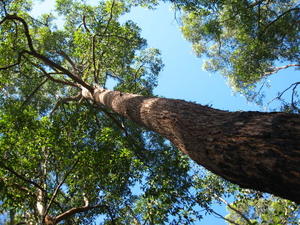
(256, 150)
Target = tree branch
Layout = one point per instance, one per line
(222, 217)
(84, 24)
(58, 187)
(65, 55)
(15, 64)
(64, 82)
(235, 209)
(46, 60)
(21, 177)
(64, 100)
(34, 92)
(110, 18)
(131, 140)
(284, 91)
(280, 16)
(75, 210)
(94, 59)
(276, 69)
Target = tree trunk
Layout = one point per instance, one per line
(256, 150)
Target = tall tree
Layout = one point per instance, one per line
(249, 148)
(64, 160)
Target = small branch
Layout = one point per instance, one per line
(276, 69)
(65, 100)
(21, 177)
(64, 82)
(34, 92)
(94, 59)
(224, 218)
(135, 219)
(15, 64)
(63, 54)
(75, 210)
(116, 36)
(4, 8)
(284, 91)
(131, 141)
(84, 24)
(280, 16)
(110, 17)
(293, 96)
(46, 60)
(236, 210)
(111, 215)
(58, 187)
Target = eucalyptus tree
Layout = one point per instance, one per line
(63, 159)
(47, 68)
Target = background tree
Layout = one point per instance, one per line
(246, 41)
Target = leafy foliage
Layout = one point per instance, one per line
(244, 40)
(79, 156)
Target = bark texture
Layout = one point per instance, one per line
(256, 150)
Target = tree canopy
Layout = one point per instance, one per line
(246, 41)
(65, 159)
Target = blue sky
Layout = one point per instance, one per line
(183, 77)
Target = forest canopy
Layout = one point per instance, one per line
(65, 159)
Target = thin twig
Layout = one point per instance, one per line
(34, 92)
(58, 187)
(283, 92)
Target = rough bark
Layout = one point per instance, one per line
(256, 150)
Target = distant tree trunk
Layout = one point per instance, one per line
(256, 150)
